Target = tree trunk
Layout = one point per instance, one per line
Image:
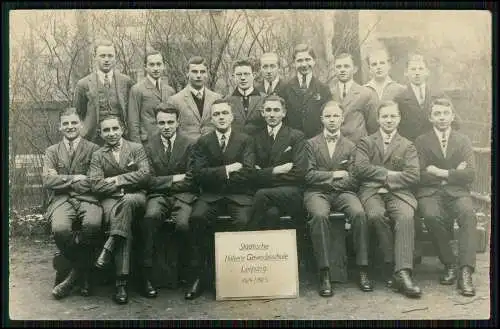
(346, 37)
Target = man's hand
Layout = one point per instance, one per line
(257, 167)
(77, 178)
(113, 180)
(392, 173)
(178, 178)
(462, 165)
(382, 190)
(233, 167)
(337, 174)
(433, 170)
(283, 169)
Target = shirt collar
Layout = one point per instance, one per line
(275, 129)
(219, 134)
(308, 78)
(75, 142)
(326, 133)
(195, 91)
(120, 145)
(273, 83)
(101, 74)
(153, 81)
(348, 86)
(439, 133)
(245, 92)
(415, 87)
(374, 85)
(386, 136)
(172, 140)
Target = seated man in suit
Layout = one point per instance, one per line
(270, 66)
(281, 164)
(65, 167)
(222, 163)
(330, 185)
(387, 166)
(246, 101)
(119, 173)
(447, 170)
(170, 192)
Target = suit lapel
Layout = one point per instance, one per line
(280, 142)
(63, 153)
(159, 148)
(435, 145)
(232, 145)
(188, 98)
(164, 91)
(296, 86)
(209, 99)
(77, 155)
(109, 157)
(124, 154)
(339, 150)
(351, 95)
(252, 103)
(149, 85)
(396, 140)
(380, 143)
(323, 150)
(177, 152)
(452, 145)
(215, 147)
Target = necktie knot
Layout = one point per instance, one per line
(304, 81)
(114, 148)
(106, 80)
(223, 142)
(344, 91)
(158, 84)
(168, 148)
(331, 138)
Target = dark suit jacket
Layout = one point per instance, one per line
(288, 146)
(251, 121)
(86, 100)
(208, 167)
(260, 86)
(414, 118)
(58, 172)
(360, 113)
(133, 170)
(459, 149)
(163, 169)
(141, 115)
(190, 121)
(371, 167)
(304, 108)
(319, 177)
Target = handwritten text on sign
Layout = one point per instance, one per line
(253, 265)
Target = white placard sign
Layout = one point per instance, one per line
(256, 265)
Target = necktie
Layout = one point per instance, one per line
(268, 89)
(443, 143)
(271, 135)
(344, 93)
(387, 141)
(223, 143)
(304, 82)
(71, 150)
(113, 148)
(168, 149)
(199, 95)
(107, 83)
(420, 95)
(331, 138)
(157, 85)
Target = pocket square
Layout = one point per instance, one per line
(132, 165)
(287, 149)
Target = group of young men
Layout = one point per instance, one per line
(135, 155)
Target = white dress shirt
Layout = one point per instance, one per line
(165, 142)
(100, 75)
(227, 134)
(274, 130)
(331, 146)
(153, 81)
(375, 86)
(116, 153)
(348, 86)
(439, 135)
(308, 79)
(75, 143)
(419, 92)
(196, 91)
(387, 138)
(273, 84)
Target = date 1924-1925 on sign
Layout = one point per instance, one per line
(254, 280)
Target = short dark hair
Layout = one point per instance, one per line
(243, 62)
(416, 57)
(344, 55)
(387, 104)
(442, 100)
(330, 103)
(69, 111)
(300, 48)
(196, 60)
(151, 52)
(275, 98)
(222, 101)
(110, 117)
(164, 108)
(103, 43)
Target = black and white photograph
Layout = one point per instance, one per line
(249, 164)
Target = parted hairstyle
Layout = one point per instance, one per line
(243, 62)
(300, 48)
(387, 104)
(164, 108)
(330, 103)
(151, 52)
(69, 111)
(196, 60)
(274, 98)
(100, 43)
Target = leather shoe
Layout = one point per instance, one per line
(388, 274)
(195, 290)
(404, 284)
(365, 283)
(148, 290)
(121, 294)
(325, 287)
(449, 276)
(464, 283)
(63, 289)
(104, 259)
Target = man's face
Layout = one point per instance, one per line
(417, 72)
(345, 69)
(70, 126)
(304, 62)
(167, 124)
(105, 58)
(379, 65)
(111, 131)
(269, 67)
(273, 112)
(197, 75)
(332, 118)
(155, 66)
(244, 77)
(222, 116)
(389, 118)
(441, 117)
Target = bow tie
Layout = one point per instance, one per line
(113, 148)
(331, 138)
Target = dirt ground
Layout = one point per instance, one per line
(31, 277)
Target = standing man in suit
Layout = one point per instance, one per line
(119, 173)
(447, 170)
(269, 66)
(170, 192)
(75, 214)
(387, 166)
(281, 164)
(304, 94)
(360, 112)
(195, 100)
(384, 88)
(331, 185)
(246, 101)
(222, 164)
(102, 93)
(144, 96)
